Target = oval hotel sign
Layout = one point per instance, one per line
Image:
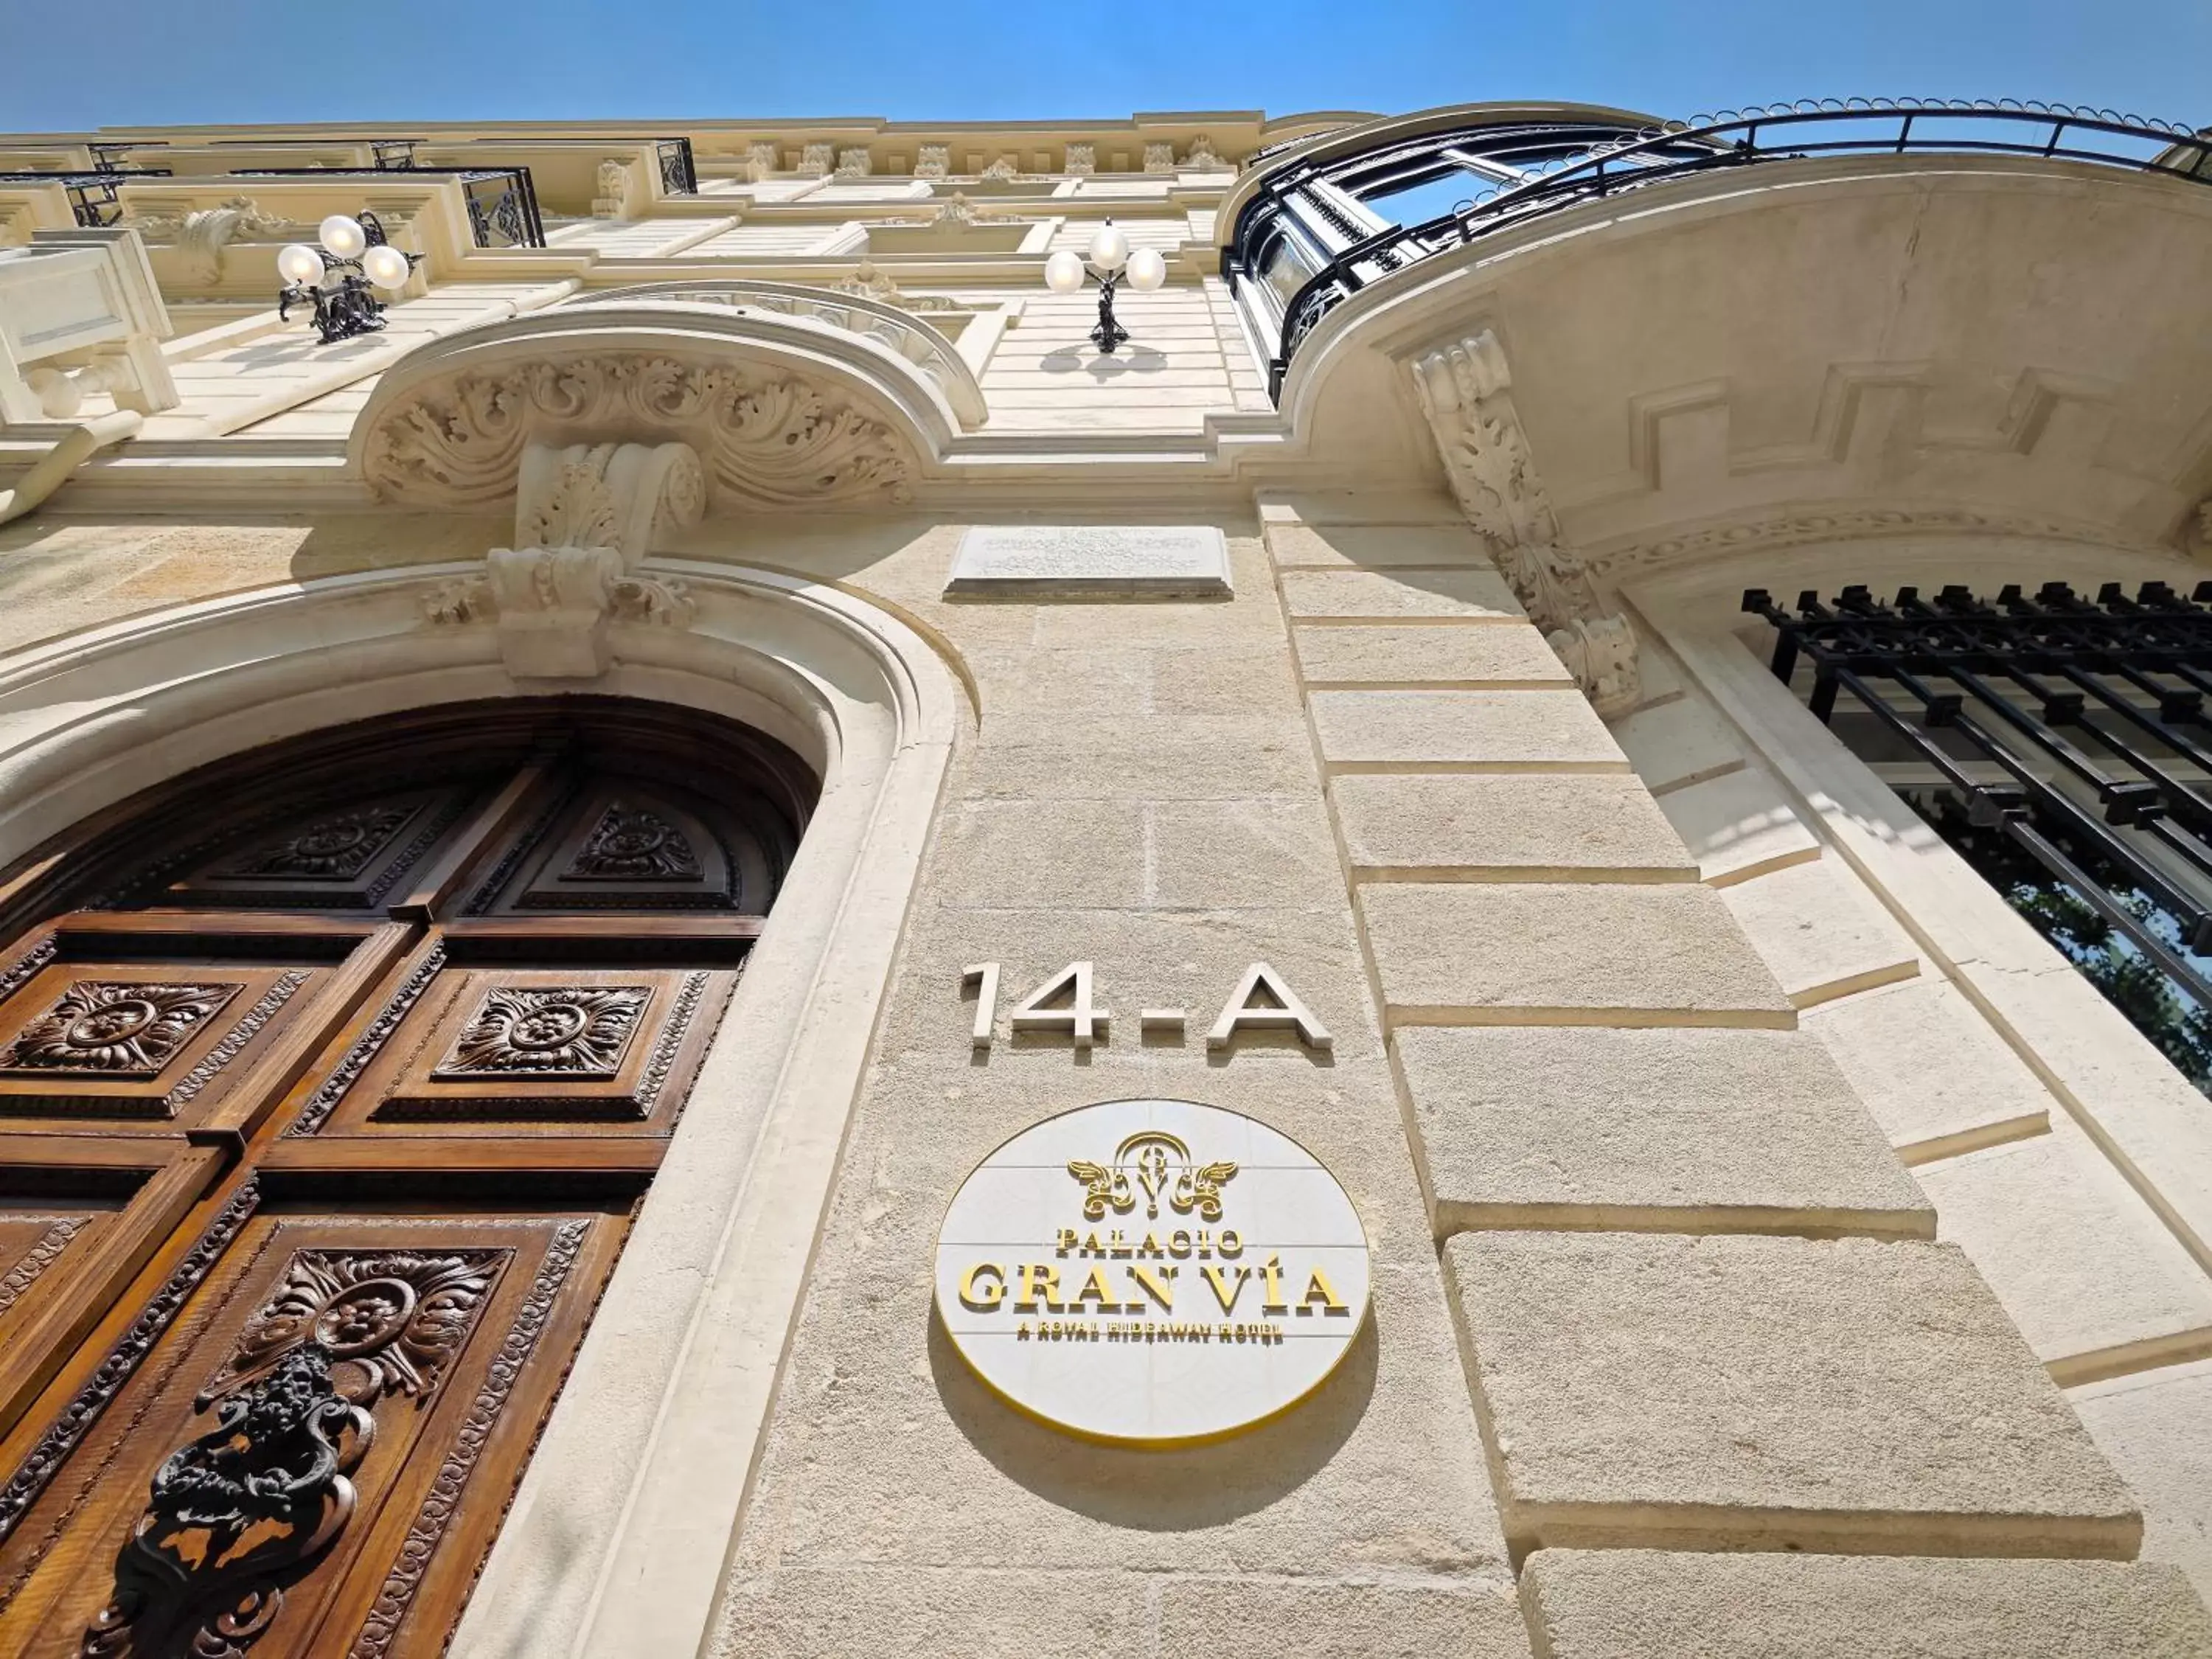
(1152, 1272)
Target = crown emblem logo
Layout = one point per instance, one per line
(1158, 1165)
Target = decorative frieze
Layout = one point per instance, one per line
(1082, 161)
(935, 162)
(853, 162)
(1159, 158)
(1465, 390)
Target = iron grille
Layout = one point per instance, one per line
(503, 201)
(91, 196)
(678, 176)
(2074, 750)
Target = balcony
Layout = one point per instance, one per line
(1325, 218)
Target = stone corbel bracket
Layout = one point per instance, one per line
(1465, 391)
(585, 516)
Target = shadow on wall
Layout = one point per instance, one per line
(1172, 1490)
(1100, 367)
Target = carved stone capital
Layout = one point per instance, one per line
(1465, 391)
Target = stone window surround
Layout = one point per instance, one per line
(2145, 1117)
(650, 1446)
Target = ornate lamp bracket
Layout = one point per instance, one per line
(1465, 391)
(585, 516)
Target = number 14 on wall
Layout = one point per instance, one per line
(1261, 1002)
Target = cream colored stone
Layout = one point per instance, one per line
(1675, 744)
(1259, 1618)
(1739, 825)
(1377, 547)
(839, 1612)
(1931, 1070)
(1490, 654)
(1643, 1604)
(1684, 1131)
(2156, 1426)
(1531, 827)
(1196, 757)
(2078, 1259)
(1504, 731)
(1823, 935)
(1334, 595)
(1575, 952)
(1840, 1394)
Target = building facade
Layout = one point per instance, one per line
(1203, 885)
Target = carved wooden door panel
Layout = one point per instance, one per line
(320, 1130)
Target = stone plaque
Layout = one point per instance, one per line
(1151, 1272)
(1085, 561)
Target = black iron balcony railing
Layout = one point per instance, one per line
(503, 203)
(1309, 239)
(91, 196)
(679, 176)
(2063, 747)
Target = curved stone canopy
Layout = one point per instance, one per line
(785, 411)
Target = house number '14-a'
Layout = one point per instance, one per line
(1261, 1002)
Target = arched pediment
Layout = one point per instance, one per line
(783, 410)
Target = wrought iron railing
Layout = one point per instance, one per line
(2070, 747)
(679, 175)
(1540, 169)
(91, 196)
(503, 203)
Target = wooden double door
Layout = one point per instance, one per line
(331, 1079)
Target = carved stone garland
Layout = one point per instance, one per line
(237, 1512)
(1465, 391)
(766, 439)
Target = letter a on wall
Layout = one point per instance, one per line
(1284, 1013)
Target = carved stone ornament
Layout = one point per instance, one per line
(852, 163)
(1159, 158)
(583, 515)
(629, 843)
(1082, 161)
(1002, 171)
(613, 182)
(1200, 158)
(815, 160)
(1465, 391)
(240, 1510)
(767, 439)
(578, 1031)
(760, 162)
(200, 234)
(934, 161)
(114, 1028)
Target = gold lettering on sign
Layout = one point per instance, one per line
(974, 1293)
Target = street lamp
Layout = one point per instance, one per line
(1113, 262)
(353, 251)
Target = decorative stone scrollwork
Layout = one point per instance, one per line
(852, 163)
(614, 179)
(1159, 158)
(1200, 158)
(760, 162)
(1002, 171)
(1082, 161)
(934, 161)
(200, 234)
(815, 160)
(1464, 390)
(237, 1512)
(768, 439)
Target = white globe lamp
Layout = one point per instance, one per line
(1063, 271)
(385, 266)
(343, 236)
(1148, 269)
(1110, 248)
(300, 265)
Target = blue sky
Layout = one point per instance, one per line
(129, 62)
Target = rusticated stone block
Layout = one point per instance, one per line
(1843, 1395)
(1644, 1604)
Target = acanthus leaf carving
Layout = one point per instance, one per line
(933, 161)
(768, 441)
(1465, 392)
(1082, 161)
